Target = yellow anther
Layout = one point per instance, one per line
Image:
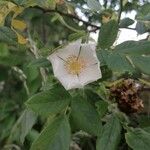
(75, 65)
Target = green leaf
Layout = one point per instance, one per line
(84, 116)
(7, 35)
(142, 63)
(49, 102)
(140, 28)
(94, 5)
(102, 91)
(133, 48)
(135, 51)
(44, 3)
(11, 60)
(144, 10)
(138, 139)
(34, 85)
(23, 126)
(3, 74)
(6, 125)
(20, 2)
(102, 107)
(77, 35)
(108, 34)
(147, 129)
(61, 19)
(128, 57)
(3, 50)
(55, 136)
(117, 63)
(126, 22)
(31, 73)
(40, 62)
(110, 136)
(91, 95)
(33, 135)
(144, 121)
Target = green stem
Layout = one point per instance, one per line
(114, 83)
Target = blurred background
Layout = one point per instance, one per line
(20, 76)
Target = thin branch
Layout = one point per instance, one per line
(105, 4)
(43, 32)
(120, 10)
(86, 23)
(67, 15)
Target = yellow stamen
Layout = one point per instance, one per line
(75, 65)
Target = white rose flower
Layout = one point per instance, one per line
(76, 65)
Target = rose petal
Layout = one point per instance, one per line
(71, 49)
(67, 80)
(90, 74)
(89, 54)
(70, 82)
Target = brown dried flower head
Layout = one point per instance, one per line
(127, 97)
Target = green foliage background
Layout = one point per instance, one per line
(36, 112)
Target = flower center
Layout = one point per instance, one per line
(75, 65)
